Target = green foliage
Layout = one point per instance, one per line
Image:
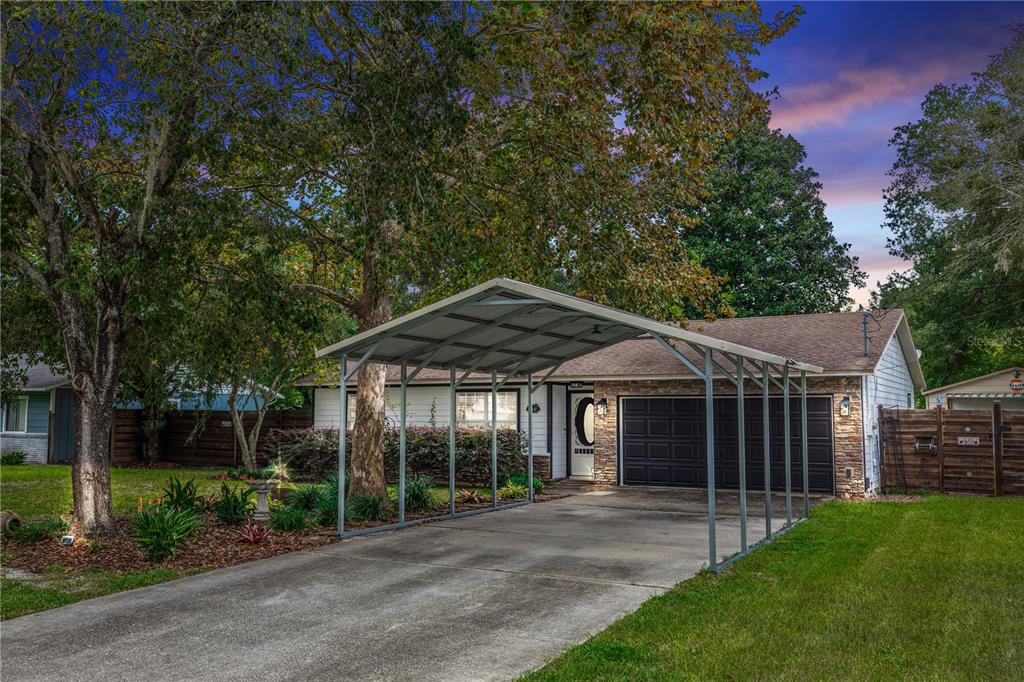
(311, 454)
(426, 452)
(763, 227)
(955, 208)
(417, 492)
(161, 530)
(513, 491)
(183, 496)
(305, 497)
(233, 503)
(36, 531)
(367, 508)
(288, 519)
(326, 512)
(521, 479)
(13, 457)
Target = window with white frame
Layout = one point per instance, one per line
(15, 415)
(474, 409)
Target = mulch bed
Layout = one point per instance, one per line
(214, 546)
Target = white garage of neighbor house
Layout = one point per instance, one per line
(632, 414)
(1005, 387)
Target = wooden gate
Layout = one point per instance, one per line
(979, 452)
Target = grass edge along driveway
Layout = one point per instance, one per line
(873, 590)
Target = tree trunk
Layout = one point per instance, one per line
(367, 461)
(90, 475)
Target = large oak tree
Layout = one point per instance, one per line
(443, 143)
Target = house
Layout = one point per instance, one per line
(869, 360)
(39, 420)
(1005, 386)
(43, 405)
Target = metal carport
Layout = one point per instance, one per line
(508, 328)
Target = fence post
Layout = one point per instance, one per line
(997, 446)
(939, 437)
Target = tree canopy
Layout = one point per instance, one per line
(762, 227)
(956, 211)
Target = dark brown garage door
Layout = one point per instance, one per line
(663, 443)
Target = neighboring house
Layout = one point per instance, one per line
(579, 414)
(1005, 386)
(40, 419)
(44, 404)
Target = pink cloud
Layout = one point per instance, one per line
(831, 103)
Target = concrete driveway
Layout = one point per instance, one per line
(482, 597)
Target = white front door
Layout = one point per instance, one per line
(582, 441)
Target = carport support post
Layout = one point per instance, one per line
(785, 436)
(803, 441)
(709, 425)
(342, 428)
(742, 433)
(767, 452)
(494, 438)
(401, 445)
(451, 444)
(529, 436)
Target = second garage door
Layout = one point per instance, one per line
(663, 442)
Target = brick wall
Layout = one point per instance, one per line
(34, 445)
(847, 433)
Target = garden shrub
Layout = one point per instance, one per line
(311, 453)
(14, 457)
(288, 519)
(161, 530)
(366, 508)
(513, 491)
(233, 504)
(326, 512)
(255, 534)
(519, 478)
(43, 529)
(305, 497)
(417, 492)
(183, 496)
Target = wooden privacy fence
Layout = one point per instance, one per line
(197, 439)
(955, 451)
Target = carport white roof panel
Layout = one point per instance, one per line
(511, 327)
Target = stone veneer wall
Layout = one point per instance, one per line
(848, 437)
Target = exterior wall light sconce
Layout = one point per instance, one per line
(602, 407)
(535, 408)
(844, 406)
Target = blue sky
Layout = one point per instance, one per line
(849, 73)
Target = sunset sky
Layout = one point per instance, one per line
(849, 73)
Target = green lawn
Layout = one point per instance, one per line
(883, 590)
(36, 490)
(18, 597)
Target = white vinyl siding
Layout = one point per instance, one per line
(424, 401)
(888, 386)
